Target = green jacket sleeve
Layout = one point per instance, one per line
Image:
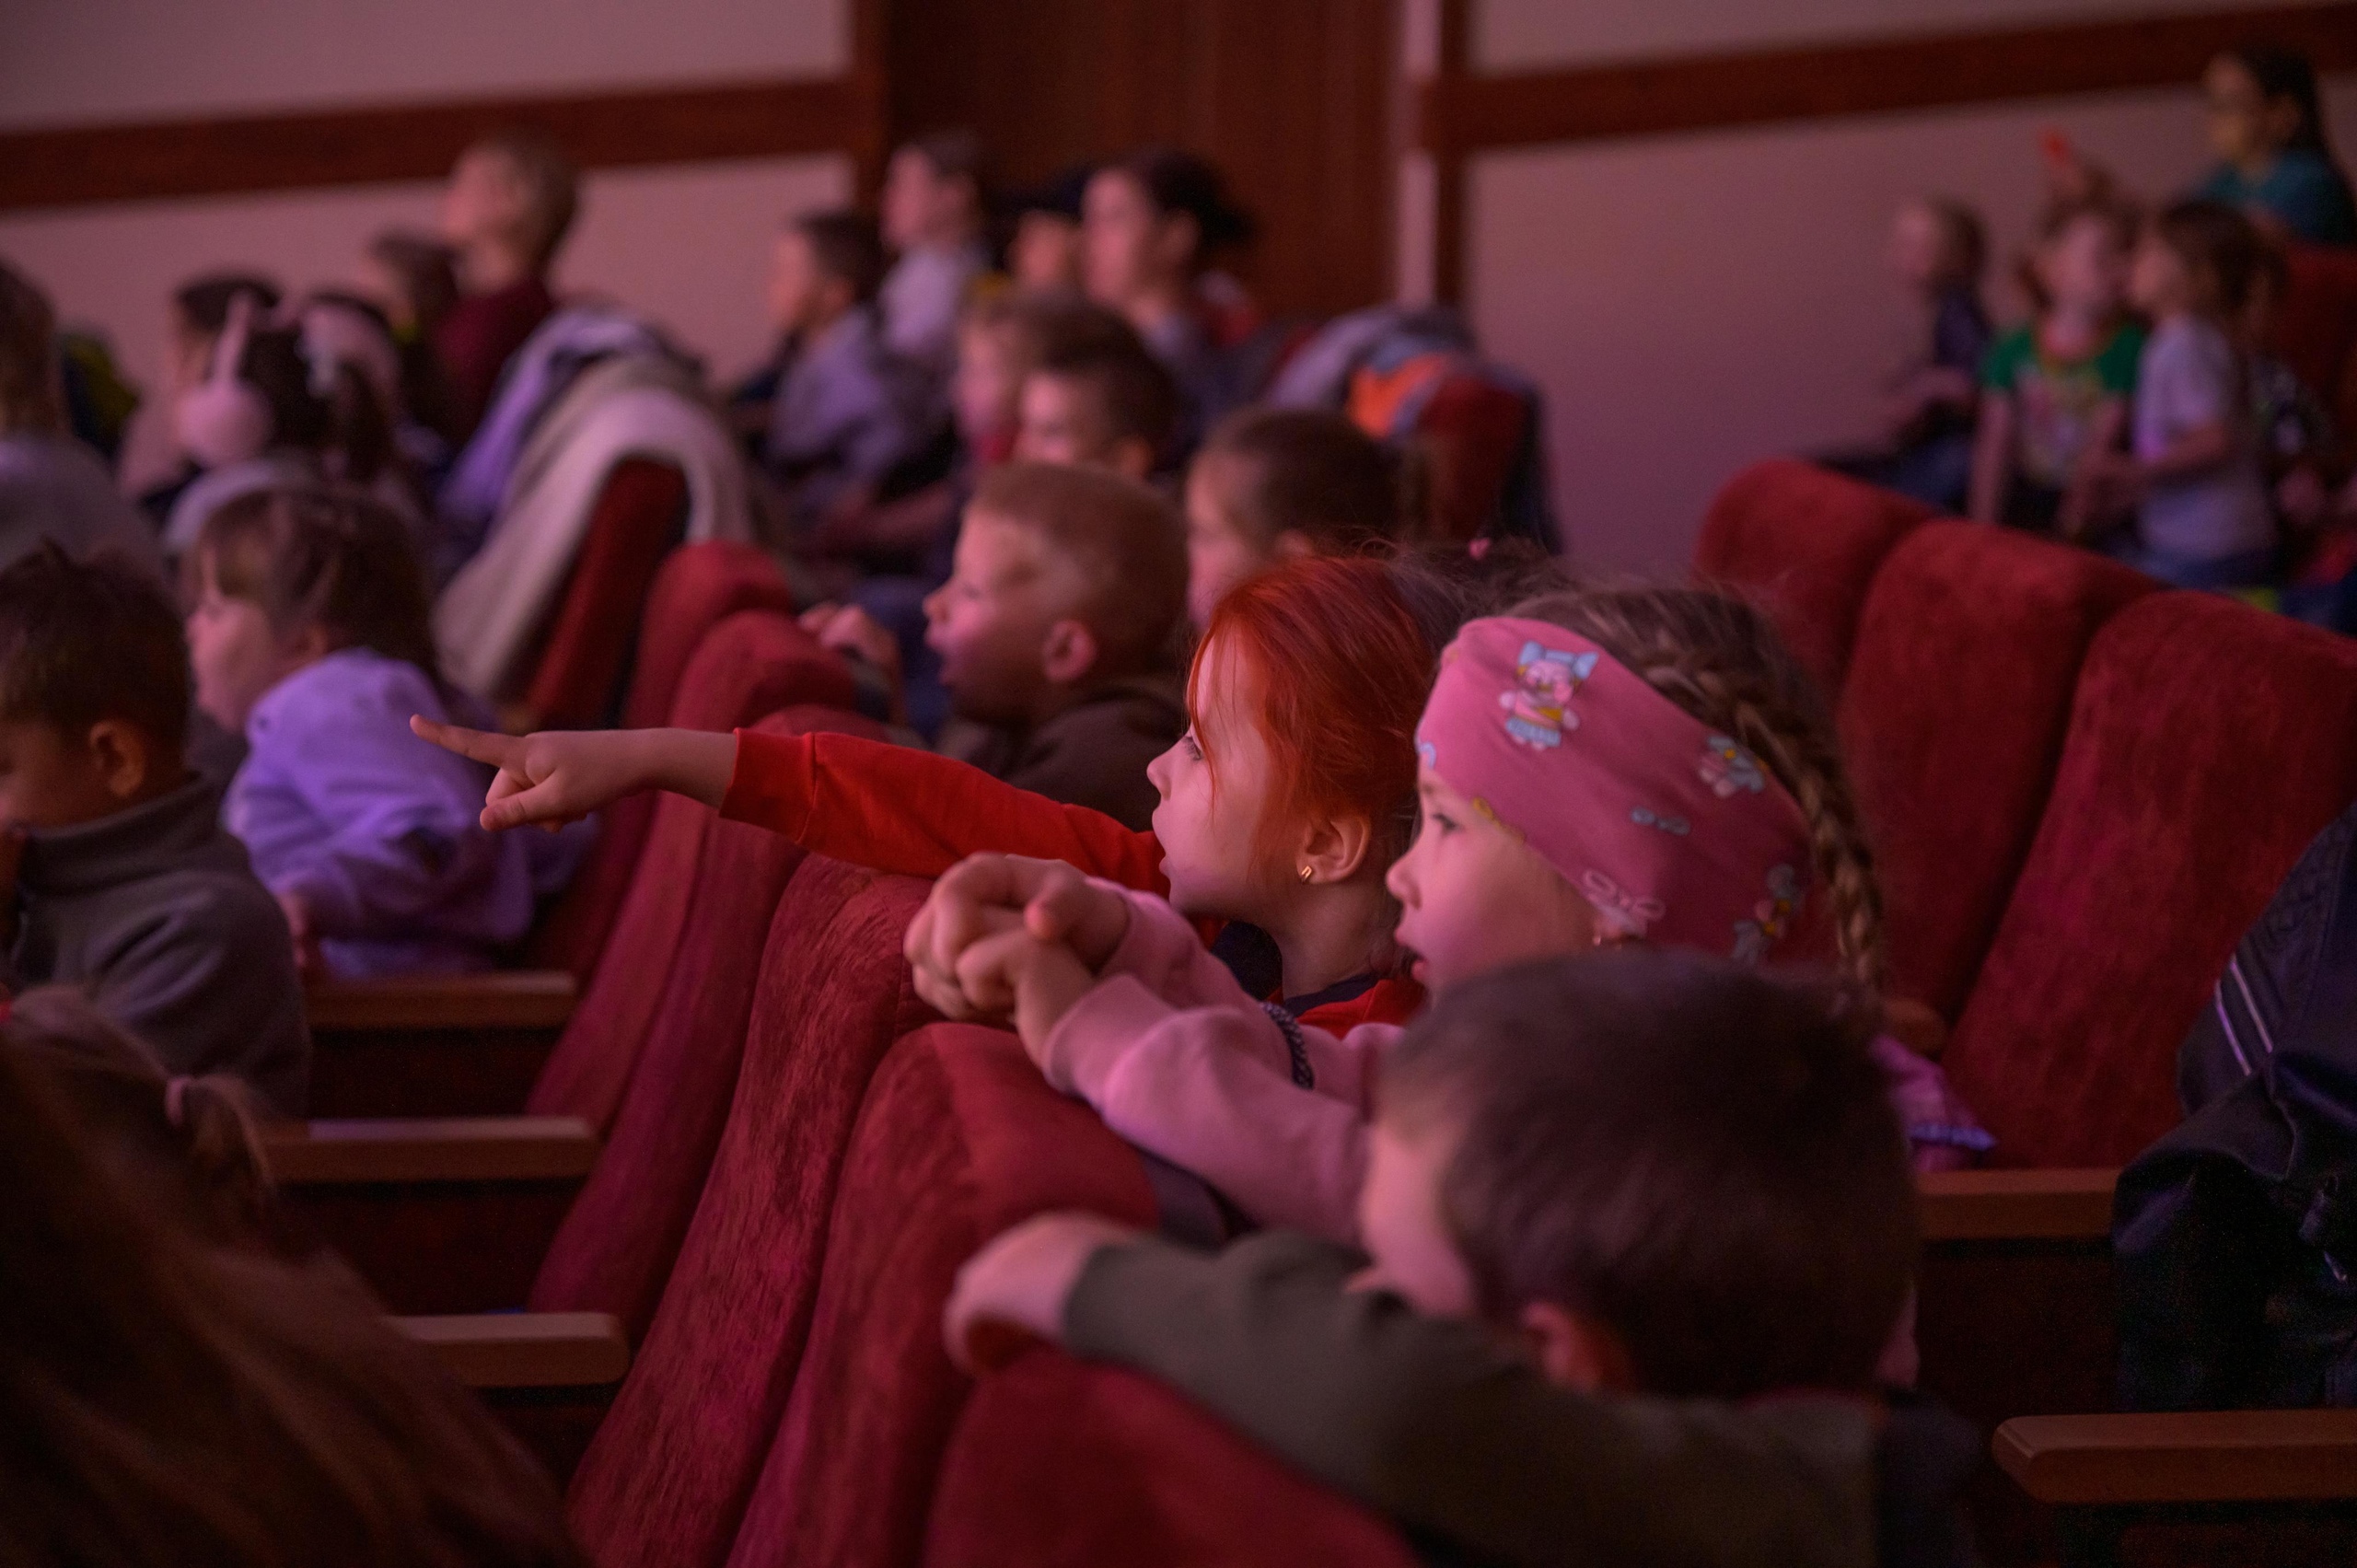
(1435, 1424)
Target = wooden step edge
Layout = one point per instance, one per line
(2016, 1205)
(430, 1149)
(526, 1350)
(513, 999)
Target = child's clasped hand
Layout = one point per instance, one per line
(1005, 936)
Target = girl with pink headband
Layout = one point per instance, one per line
(1601, 767)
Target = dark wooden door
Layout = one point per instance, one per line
(1296, 100)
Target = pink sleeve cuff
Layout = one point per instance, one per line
(1089, 1040)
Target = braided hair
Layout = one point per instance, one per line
(1718, 658)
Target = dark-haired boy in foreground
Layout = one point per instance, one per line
(115, 873)
(1639, 1224)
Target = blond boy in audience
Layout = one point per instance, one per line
(511, 201)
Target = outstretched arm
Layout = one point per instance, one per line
(558, 776)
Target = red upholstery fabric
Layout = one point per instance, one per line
(2208, 744)
(1805, 543)
(1471, 431)
(1055, 1464)
(699, 587)
(752, 662)
(2315, 324)
(1960, 683)
(960, 1137)
(666, 1479)
(637, 519)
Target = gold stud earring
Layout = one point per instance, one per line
(1307, 873)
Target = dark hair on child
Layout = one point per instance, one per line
(1312, 472)
(204, 302)
(2119, 216)
(1178, 182)
(954, 152)
(30, 391)
(427, 270)
(1700, 1157)
(1135, 390)
(166, 1401)
(847, 247)
(1719, 658)
(2222, 251)
(1127, 542)
(329, 409)
(2283, 72)
(1967, 236)
(336, 559)
(81, 642)
(195, 1135)
(551, 186)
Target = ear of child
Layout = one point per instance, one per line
(1070, 653)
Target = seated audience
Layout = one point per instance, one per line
(1939, 250)
(2195, 478)
(933, 207)
(155, 468)
(2054, 391)
(511, 200)
(281, 408)
(1597, 1189)
(2267, 123)
(207, 1406)
(413, 280)
(1043, 250)
(1100, 402)
(1151, 225)
(1272, 485)
(310, 634)
(52, 486)
(120, 878)
(841, 409)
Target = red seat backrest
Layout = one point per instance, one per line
(1952, 719)
(1056, 1464)
(2208, 744)
(698, 585)
(638, 517)
(1804, 543)
(2316, 321)
(666, 1478)
(960, 1139)
(754, 662)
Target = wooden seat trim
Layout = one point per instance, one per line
(463, 1148)
(526, 1350)
(514, 999)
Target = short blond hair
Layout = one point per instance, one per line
(1127, 542)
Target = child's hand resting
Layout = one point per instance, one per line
(1013, 1291)
(557, 776)
(991, 896)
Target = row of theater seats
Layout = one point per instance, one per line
(755, 1163)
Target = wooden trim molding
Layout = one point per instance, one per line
(1463, 114)
(76, 165)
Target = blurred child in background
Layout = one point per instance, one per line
(52, 486)
(933, 208)
(510, 203)
(2267, 123)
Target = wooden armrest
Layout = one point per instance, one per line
(517, 999)
(526, 1350)
(2016, 1205)
(469, 1148)
(2187, 1457)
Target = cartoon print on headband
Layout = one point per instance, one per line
(1726, 766)
(1772, 917)
(1539, 710)
(1625, 914)
(1677, 827)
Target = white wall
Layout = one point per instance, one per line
(1691, 303)
(689, 243)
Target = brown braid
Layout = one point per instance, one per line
(1719, 659)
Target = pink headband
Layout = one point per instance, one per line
(1673, 832)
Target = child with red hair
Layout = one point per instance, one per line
(1282, 807)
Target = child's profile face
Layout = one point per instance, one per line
(987, 390)
(1919, 247)
(1220, 555)
(2158, 281)
(1401, 1226)
(795, 288)
(1474, 897)
(1207, 833)
(1060, 422)
(990, 621)
(1121, 239)
(2243, 125)
(52, 779)
(1044, 256)
(917, 205)
(236, 656)
(483, 201)
(2083, 267)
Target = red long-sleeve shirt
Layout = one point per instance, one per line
(917, 814)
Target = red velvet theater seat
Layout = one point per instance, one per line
(2315, 326)
(752, 662)
(960, 1138)
(1055, 1464)
(637, 518)
(665, 1479)
(2208, 744)
(698, 588)
(1960, 684)
(1805, 543)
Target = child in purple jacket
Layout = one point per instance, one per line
(308, 631)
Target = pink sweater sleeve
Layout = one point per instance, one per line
(1181, 1062)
